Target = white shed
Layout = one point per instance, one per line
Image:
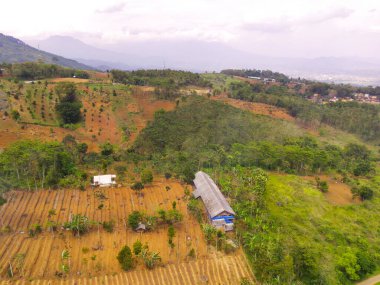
(104, 180)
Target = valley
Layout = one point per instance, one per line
(298, 182)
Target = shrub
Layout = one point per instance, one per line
(108, 226)
(35, 230)
(125, 258)
(15, 115)
(191, 253)
(146, 176)
(322, 185)
(134, 219)
(137, 247)
(363, 192)
(79, 224)
(138, 186)
(174, 216)
(2, 200)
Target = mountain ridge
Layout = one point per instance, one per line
(13, 50)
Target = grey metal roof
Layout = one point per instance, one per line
(213, 199)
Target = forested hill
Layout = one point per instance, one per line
(13, 50)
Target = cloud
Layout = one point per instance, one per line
(112, 9)
(324, 16)
(286, 25)
(268, 27)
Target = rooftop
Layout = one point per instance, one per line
(213, 199)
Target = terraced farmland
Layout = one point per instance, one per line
(222, 270)
(42, 253)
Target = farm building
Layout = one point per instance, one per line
(104, 180)
(219, 211)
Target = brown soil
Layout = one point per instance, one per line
(226, 270)
(257, 108)
(145, 106)
(43, 252)
(339, 193)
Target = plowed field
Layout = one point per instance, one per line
(43, 253)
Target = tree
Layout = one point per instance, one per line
(138, 186)
(162, 215)
(65, 258)
(125, 258)
(137, 247)
(174, 216)
(69, 112)
(69, 106)
(15, 115)
(150, 258)
(363, 192)
(79, 224)
(209, 231)
(146, 176)
(171, 235)
(348, 264)
(106, 149)
(134, 219)
(322, 185)
(108, 226)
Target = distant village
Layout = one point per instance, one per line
(323, 99)
(357, 97)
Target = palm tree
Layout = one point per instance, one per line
(150, 258)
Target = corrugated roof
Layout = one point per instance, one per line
(213, 199)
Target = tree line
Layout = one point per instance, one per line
(357, 118)
(39, 70)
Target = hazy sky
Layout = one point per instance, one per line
(271, 27)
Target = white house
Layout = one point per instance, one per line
(104, 180)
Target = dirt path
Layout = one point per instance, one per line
(370, 281)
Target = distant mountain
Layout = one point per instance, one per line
(13, 50)
(199, 56)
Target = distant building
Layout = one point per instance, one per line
(104, 180)
(219, 211)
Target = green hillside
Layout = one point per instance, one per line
(13, 50)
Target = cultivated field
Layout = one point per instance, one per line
(94, 254)
(257, 108)
(221, 270)
(107, 116)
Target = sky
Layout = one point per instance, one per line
(291, 28)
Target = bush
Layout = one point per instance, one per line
(15, 115)
(69, 112)
(363, 192)
(2, 200)
(138, 186)
(137, 247)
(35, 230)
(125, 258)
(191, 253)
(134, 219)
(108, 226)
(322, 185)
(146, 176)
